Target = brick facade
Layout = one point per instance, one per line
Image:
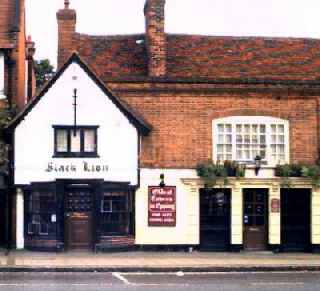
(13, 42)
(201, 78)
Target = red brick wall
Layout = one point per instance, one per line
(156, 42)
(66, 30)
(16, 89)
(182, 123)
(20, 57)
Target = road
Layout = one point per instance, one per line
(306, 281)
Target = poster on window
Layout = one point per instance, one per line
(162, 206)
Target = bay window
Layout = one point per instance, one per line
(242, 138)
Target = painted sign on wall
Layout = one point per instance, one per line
(162, 206)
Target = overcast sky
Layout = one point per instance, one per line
(294, 18)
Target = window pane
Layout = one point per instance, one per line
(62, 140)
(89, 140)
(228, 128)
(75, 141)
(281, 139)
(280, 128)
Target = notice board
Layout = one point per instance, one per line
(162, 206)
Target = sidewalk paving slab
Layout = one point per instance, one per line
(26, 261)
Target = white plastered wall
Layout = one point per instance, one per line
(315, 218)
(34, 136)
(186, 230)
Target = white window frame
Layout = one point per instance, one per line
(2, 95)
(259, 120)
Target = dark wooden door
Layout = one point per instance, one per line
(78, 222)
(295, 219)
(215, 219)
(255, 219)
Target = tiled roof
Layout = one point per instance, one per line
(205, 58)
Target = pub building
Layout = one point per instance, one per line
(105, 157)
(76, 165)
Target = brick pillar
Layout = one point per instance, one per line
(67, 19)
(155, 37)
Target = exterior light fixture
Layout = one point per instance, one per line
(257, 165)
(162, 183)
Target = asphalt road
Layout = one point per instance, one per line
(307, 281)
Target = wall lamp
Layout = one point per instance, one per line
(257, 165)
(162, 183)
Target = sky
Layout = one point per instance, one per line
(281, 18)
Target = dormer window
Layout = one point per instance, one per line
(75, 142)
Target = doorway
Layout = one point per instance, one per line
(255, 219)
(78, 217)
(215, 219)
(295, 219)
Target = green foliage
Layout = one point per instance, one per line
(312, 172)
(44, 71)
(211, 172)
(6, 115)
(298, 170)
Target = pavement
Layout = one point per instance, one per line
(137, 261)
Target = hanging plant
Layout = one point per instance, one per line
(211, 172)
(298, 170)
(312, 172)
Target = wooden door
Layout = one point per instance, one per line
(255, 219)
(78, 222)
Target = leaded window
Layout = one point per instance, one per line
(41, 213)
(116, 213)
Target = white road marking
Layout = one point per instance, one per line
(121, 278)
(180, 274)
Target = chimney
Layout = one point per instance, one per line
(31, 78)
(155, 37)
(67, 19)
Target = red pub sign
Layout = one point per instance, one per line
(162, 206)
